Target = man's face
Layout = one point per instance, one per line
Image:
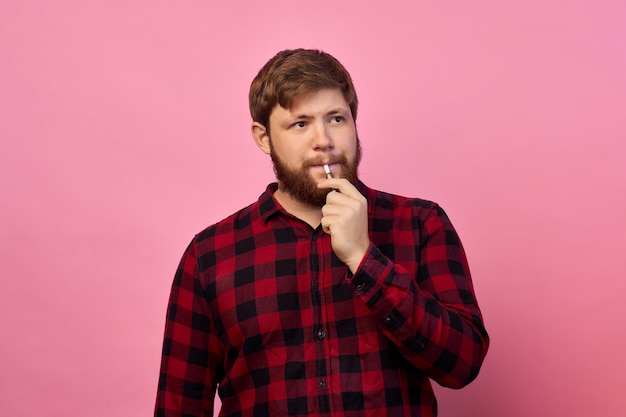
(318, 130)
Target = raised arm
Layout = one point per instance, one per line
(428, 309)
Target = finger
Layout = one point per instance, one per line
(340, 184)
(326, 225)
(354, 202)
(337, 203)
(332, 208)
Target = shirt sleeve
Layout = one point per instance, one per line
(430, 314)
(189, 364)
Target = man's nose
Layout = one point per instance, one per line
(323, 139)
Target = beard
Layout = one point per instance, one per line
(299, 184)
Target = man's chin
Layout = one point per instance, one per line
(313, 199)
(308, 195)
(301, 185)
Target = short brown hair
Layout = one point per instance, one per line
(292, 74)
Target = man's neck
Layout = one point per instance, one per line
(309, 214)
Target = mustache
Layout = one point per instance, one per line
(321, 160)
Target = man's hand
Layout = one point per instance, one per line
(344, 218)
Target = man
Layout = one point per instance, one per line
(324, 297)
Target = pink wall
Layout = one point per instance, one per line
(124, 130)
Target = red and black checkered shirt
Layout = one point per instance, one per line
(263, 311)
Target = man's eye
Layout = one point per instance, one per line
(299, 125)
(337, 119)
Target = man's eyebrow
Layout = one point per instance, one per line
(332, 111)
(338, 110)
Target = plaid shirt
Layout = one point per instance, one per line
(263, 311)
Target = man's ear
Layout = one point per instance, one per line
(261, 137)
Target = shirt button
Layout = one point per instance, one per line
(359, 287)
(388, 320)
(321, 334)
(322, 383)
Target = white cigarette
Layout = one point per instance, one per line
(329, 174)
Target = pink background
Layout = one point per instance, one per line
(125, 130)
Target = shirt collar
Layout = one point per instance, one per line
(268, 205)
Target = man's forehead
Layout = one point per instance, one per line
(323, 99)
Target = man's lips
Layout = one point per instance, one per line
(321, 164)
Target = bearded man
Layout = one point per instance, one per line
(324, 297)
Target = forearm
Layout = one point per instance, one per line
(438, 329)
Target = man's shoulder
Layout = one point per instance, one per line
(244, 219)
(387, 200)
(236, 221)
(388, 210)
